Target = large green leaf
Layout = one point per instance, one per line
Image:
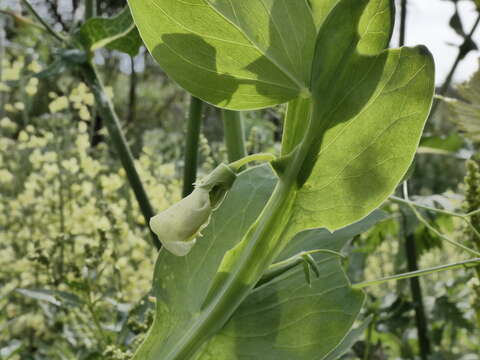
(182, 283)
(287, 319)
(369, 110)
(116, 33)
(235, 54)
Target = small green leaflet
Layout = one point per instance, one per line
(116, 33)
(239, 55)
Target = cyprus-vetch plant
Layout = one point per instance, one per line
(355, 115)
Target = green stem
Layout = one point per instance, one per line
(417, 297)
(234, 134)
(261, 157)
(277, 269)
(191, 147)
(260, 246)
(408, 275)
(434, 230)
(118, 140)
(399, 200)
(47, 27)
(90, 9)
(403, 22)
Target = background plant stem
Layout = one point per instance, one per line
(234, 135)
(107, 112)
(191, 147)
(410, 245)
(90, 9)
(417, 296)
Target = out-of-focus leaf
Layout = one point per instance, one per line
(58, 298)
(11, 349)
(349, 340)
(116, 33)
(448, 311)
(456, 23)
(441, 144)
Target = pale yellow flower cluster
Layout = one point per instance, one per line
(58, 193)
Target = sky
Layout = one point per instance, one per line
(427, 24)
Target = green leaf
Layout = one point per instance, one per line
(369, 110)
(116, 33)
(349, 340)
(321, 9)
(441, 144)
(287, 319)
(58, 298)
(182, 283)
(235, 54)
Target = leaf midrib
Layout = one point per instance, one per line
(301, 86)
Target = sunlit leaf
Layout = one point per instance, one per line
(241, 55)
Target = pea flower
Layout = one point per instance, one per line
(179, 226)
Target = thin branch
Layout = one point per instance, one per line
(47, 27)
(434, 230)
(464, 217)
(458, 265)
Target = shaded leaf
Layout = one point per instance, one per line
(116, 33)
(235, 54)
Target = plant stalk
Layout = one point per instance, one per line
(417, 297)
(90, 9)
(409, 275)
(194, 123)
(117, 137)
(234, 135)
(259, 247)
(45, 25)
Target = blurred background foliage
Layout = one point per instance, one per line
(75, 259)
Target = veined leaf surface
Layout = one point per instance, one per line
(116, 33)
(235, 54)
(369, 106)
(182, 283)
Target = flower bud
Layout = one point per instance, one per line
(178, 226)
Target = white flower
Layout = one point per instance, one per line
(178, 226)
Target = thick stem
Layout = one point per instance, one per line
(90, 9)
(403, 22)
(234, 134)
(191, 147)
(108, 114)
(417, 296)
(132, 95)
(260, 246)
